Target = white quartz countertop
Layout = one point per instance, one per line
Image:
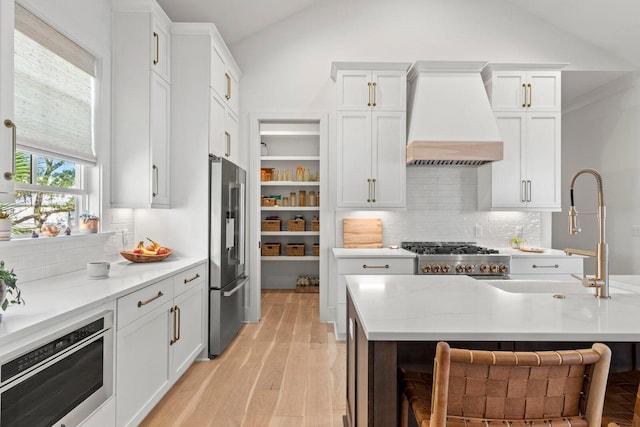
(372, 253)
(50, 301)
(431, 308)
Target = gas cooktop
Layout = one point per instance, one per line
(459, 258)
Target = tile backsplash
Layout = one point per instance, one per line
(442, 206)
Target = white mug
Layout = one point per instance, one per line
(99, 269)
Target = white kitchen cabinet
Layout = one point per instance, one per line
(160, 333)
(378, 90)
(201, 64)
(528, 177)
(224, 75)
(517, 90)
(7, 129)
(142, 358)
(140, 106)
(371, 166)
(364, 266)
(189, 315)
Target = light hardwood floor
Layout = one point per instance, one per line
(286, 370)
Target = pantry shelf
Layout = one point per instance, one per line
(290, 208)
(290, 183)
(290, 233)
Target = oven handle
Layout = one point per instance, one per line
(107, 334)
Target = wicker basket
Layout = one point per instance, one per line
(315, 225)
(295, 249)
(316, 249)
(271, 249)
(295, 225)
(130, 256)
(271, 225)
(266, 174)
(269, 201)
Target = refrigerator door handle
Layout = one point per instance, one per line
(241, 203)
(234, 290)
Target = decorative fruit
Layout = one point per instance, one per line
(137, 251)
(150, 248)
(161, 251)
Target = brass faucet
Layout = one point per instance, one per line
(600, 282)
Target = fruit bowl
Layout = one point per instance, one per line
(130, 256)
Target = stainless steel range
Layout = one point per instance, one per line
(459, 258)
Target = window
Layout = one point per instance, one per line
(54, 107)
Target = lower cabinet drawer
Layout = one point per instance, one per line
(547, 265)
(377, 266)
(188, 279)
(143, 301)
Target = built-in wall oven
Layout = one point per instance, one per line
(62, 378)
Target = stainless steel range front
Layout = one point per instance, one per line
(459, 258)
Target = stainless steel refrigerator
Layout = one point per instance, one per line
(227, 277)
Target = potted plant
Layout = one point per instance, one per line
(6, 220)
(89, 223)
(9, 291)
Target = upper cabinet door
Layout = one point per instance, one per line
(508, 91)
(354, 90)
(160, 48)
(218, 80)
(543, 90)
(388, 159)
(389, 91)
(231, 92)
(7, 133)
(160, 107)
(354, 159)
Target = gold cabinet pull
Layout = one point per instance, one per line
(179, 322)
(375, 94)
(228, 94)
(545, 266)
(197, 276)
(369, 182)
(9, 124)
(157, 39)
(373, 181)
(156, 174)
(173, 312)
(524, 95)
(528, 190)
(530, 95)
(369, 94)
(523, 191)
(228, 136)
(141, 303)
(375, 266)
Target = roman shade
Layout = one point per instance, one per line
(54, 90)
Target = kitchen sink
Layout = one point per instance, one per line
(542, 286)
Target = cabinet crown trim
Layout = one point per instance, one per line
(378, 66)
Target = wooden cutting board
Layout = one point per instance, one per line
(362, 232)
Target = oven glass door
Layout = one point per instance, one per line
(56, 389)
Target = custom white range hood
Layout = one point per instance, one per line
(450, 121)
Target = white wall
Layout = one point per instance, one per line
(604, 135)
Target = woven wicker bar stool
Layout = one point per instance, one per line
(622, 404)
(481, 388)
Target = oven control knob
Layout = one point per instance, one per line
(460, 268)
(469, 268)
(426, 268)
(494, 268)
(484, 268)
(502, 268)
(435, 268)
(445, 268)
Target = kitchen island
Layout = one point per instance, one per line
(395, 321)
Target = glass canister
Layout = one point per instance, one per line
(302, 198)
(285, 201)
(312, 199)
(293, 199)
